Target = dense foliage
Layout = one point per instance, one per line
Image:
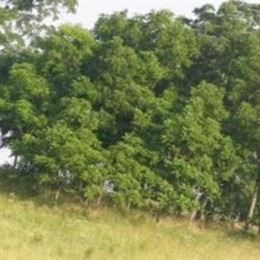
(152, 111)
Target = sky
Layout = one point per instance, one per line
(88, 12)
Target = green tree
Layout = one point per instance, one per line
(200, 157)
(150, 111)
(229, 40)
(26, 17)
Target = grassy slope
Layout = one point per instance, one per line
(31, 230)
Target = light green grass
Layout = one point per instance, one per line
(30, 230)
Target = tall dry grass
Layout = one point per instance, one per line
(33, 230)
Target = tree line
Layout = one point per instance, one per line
(152, 111)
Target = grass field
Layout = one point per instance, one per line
(31, 229)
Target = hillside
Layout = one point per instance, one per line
(32, 229)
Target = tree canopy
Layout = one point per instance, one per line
(151, 111)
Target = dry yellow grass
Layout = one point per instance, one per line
(31, 231)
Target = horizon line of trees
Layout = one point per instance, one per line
(150, 111)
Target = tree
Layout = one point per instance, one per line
(20, 17)
(229, 40)
(26, 17)
(151, 111)
(159, 33)
(200, 156)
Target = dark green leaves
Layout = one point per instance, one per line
(150, 111)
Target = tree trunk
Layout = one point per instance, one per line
(253, 204)
(195, 212)
(57, 194)
(15, 161)
(192, 216)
